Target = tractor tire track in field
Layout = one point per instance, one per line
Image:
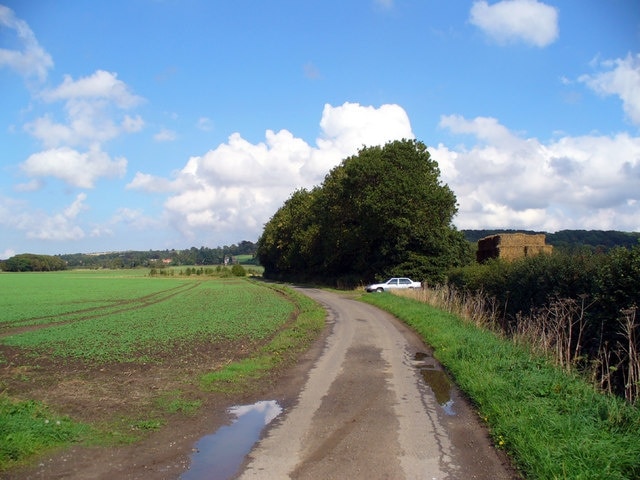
(127, 305)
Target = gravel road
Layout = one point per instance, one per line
(371, 409)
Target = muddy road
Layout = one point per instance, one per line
(376, 405)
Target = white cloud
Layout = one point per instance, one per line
(506, 181)
(507, 21)
(101, 85)
(132, 124)
(205, 124)
(165, 135)
(30, 186)
(239, 185)
(621, 78)
(89, 104)
(75, 168)
(8, 253)
(32, 60)
(59, 226)
(386, 4)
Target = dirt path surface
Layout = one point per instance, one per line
(366, 411)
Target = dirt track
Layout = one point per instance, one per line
(366, 413)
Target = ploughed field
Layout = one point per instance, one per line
(106, 356)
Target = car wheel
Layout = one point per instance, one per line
(379, 289)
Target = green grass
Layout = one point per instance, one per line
(173, 402)
(552, 424)
(28, 427)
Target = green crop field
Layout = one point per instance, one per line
(100, 318)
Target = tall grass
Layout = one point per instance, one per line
(552, 422)
(555, 330)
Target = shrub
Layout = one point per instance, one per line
(238, 271)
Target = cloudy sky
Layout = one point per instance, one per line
(154, 124)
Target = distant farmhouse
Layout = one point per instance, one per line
(511, 246)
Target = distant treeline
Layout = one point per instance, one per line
(571, 240)
(132, 259)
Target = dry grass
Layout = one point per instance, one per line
(555, 331)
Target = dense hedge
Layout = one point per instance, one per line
(605, 285)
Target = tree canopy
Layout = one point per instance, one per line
(29, 262)
(382, 212)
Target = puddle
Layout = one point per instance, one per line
(437, 380)
(219, 456)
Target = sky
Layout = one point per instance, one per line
(171, 124)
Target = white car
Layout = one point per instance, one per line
(393, 283)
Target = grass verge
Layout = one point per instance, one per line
(552, 424)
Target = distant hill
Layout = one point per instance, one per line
(571, 239)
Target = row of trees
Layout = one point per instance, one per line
(382, 212)
(154, 258)
(28, 262)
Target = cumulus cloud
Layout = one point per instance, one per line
(237, 186)
(75, 168)
(620, 77)
(507, 21)
(505, 180)
(101, 85)
(58, 226)
(89, 105)
(31, 60)
(73, 148)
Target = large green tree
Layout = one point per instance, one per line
(381, 212)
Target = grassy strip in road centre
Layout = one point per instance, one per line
(552, 424)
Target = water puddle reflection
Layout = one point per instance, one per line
(436, 379)
(219, 456)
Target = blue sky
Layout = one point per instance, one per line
(160, 124)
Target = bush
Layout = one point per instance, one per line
(238, 271)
